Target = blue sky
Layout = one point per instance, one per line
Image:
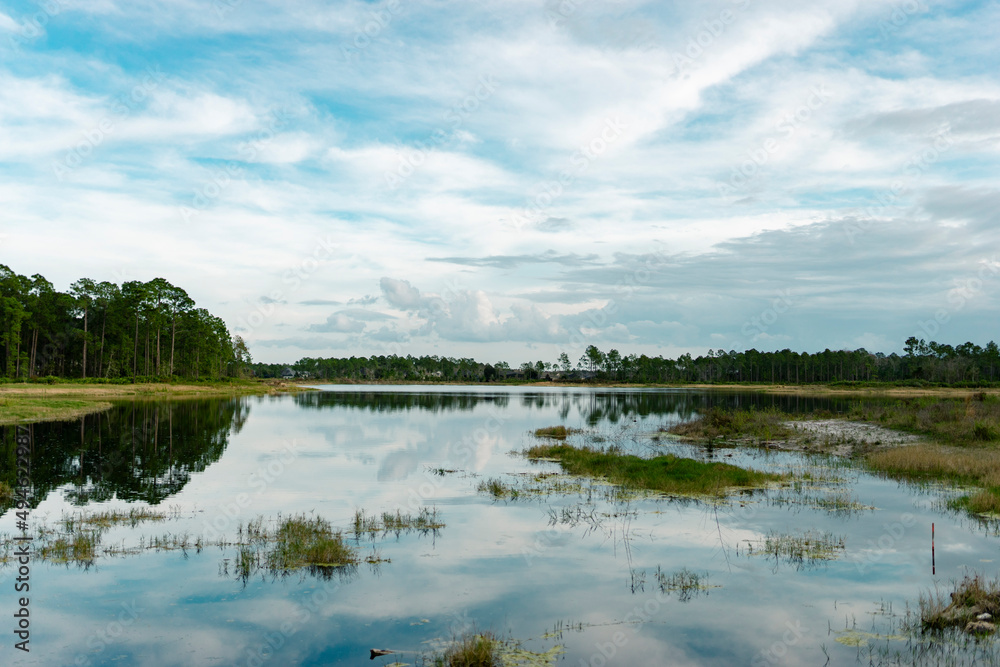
(514, 179)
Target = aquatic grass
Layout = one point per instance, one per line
(753, 424)
(805, 548)
(132, 517)
(472, 650)
(79, 547)
(426, 520)
(666, 474)
(487, 649)
(971, 607)
(555, 432)
(686, 583)
(308, 541)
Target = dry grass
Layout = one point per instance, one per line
(975, 466)
(972, 596)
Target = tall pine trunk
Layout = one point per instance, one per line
(85, 343)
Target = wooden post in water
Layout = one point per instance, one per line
(933, 564)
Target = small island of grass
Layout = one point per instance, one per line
(667, 474)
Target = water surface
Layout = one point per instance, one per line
(576, 570)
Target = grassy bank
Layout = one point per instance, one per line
(960, 438)
(667, 474)
(25, 402)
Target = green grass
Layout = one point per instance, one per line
(472, 650)
(6, 493)
(667, 474)
(961, 422)
(556, 432)
(303, 541)
(753, 424)
(22, 410)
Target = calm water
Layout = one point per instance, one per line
(584, 578)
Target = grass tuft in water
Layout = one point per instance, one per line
(806, 548)
(303, 541)
(556, 432)
(973, 597)
(472, 650)
(667, 474)
(425, 521)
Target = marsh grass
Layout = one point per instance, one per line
(80, 547)
(738, 425)
(972, 466)
(307, 541)
(667, 474)
(472, 650)
(555, 432)
(970, 420)
(684, 582)
(133, 517)
(529, 486)
(487, 649)
(806, 548)
(972, 596)
(425, 521)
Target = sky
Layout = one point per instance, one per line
(514, 179)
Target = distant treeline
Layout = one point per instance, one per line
(103, 330)
(921, 362)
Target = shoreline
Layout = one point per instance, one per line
(24, 403)
(27, 403)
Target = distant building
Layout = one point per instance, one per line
(287, 374)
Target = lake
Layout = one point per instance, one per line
(571, 569)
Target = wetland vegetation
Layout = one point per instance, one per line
(669, 474)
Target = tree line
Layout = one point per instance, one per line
(104, 330)
(921, 362)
